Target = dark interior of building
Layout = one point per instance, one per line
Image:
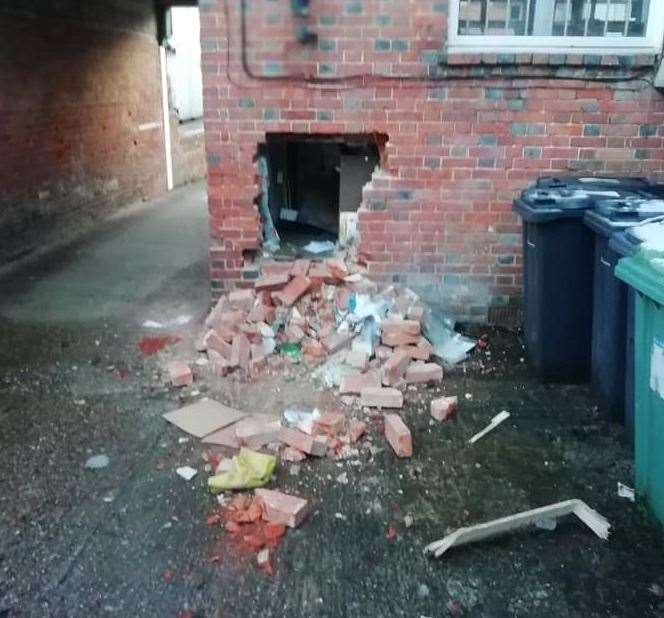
(311, 183)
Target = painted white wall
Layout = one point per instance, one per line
(184, 63)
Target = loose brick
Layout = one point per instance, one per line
(180, 374)
(272, 282)
(354, 383)
(395, 367)
(300, 268)
(357, 359)
(213, 341)
(397, 338)
(381, 397)
(218, 365)
(242, 299)
(424, 372)
(336, 341)
(407, 327)
(383, 352)
(415, 313)
(312, 349)
(240, 351)
(398, 435)
(256, 432)
(297, 288)
(356, 430)
(444, 408)
(294, 455)
(312, 445)
(422, 351)
(281, 508)
(330, 423)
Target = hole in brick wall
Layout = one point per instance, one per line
(311, 187)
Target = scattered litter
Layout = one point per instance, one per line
(181, 320)
(463, 536)
(625, 492)
(391, 533)
(468, 396)
(294, 416)
(183, 440)
(423, 591)
(319, 246)
(495, 421)
(79, 402)
(203, 417)
(408, 521)
(657, 590)
(342, 478)
(97, 462)
(448, 345)
(250, 469)
(186, 472)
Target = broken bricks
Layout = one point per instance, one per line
(281, 508)
(373, 397)
(312, 445)
(444, 408)
(398, 435)
(180, 374)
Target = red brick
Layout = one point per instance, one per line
(424, 372)
(330, 423)
(293, 454)
(218, 365)
(357, 359)
(444, 408)
(336, 341)
(180, 373)
(213, 341)
(395, 367)
(240, 351)
(356, 430)
(421, 351)
(297, 288)
(242, 299)
(272, 282)
(300, 268)
(256, 432)
(381, 397)
(354, 383)
(398, 435)
(312, 445)
(280, 508)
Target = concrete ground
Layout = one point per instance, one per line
(131, 539)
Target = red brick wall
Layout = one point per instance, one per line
(465, 134)
(76, 84)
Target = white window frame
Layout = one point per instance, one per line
(486, 43)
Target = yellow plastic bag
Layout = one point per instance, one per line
(250, 469)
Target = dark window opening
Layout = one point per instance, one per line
(312, 189)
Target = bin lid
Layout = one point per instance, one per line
(627, 243)
(611, 216)
(623, 183)
(539, 205)
(645, 270)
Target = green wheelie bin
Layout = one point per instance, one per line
(644, 272)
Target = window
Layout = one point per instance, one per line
(583, 26)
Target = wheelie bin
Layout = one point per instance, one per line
(610, 326)
(558, 270)
(644, 273)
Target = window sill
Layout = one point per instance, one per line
(459, 56)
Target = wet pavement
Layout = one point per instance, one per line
(131, 539)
